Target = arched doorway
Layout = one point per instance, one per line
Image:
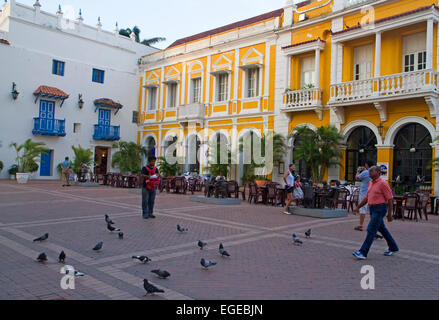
(219, 155)
(150, 146)
(170, 141)
(361, 147)
(413, 156)
(302, 169)
(193, 147)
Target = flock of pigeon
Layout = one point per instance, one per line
(162, 274)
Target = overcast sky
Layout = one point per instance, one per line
(172, 19)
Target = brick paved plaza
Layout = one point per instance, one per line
(264, 263)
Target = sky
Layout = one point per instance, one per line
(171, 19)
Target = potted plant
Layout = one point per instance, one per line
(129, 157)
(28, 154)
(13, 171)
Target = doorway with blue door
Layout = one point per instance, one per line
(104, 122)
(46, 161)
(47, 115)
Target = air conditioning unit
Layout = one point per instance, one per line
(303, 17)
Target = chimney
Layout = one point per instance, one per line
(288, 13)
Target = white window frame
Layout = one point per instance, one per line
(152, 100)
(358, 76)
(414, 52)
(311, 71)
(196, 98)
(246, 73)
(169, 97)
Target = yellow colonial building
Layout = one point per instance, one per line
(367, 67)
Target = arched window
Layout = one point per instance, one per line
(361, 147)
(413, 156)
(193, 148)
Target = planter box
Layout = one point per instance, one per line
(22, 178)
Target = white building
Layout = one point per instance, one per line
(56, 63)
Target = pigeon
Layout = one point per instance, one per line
(143, 259)
(42, 257)
(108, 220)
(181, 229)
(150, 289)
(62, 257)
(120, 235)
(296, 240)
(42, 238)
(98, 246)
(308, 233)
(201, 244)
(222, 251)
(111, 228)
(206, 263)
(162, 274)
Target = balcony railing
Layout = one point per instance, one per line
(49, 127)
(194, 111)
(386, 87)
(301, 99)
(108, 133)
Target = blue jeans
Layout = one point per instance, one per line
(148, 198)
(378, 213)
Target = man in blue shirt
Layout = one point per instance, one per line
(363, 176)
(65, 168)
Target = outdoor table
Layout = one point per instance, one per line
(319, 194)
(399, 214)
(264, 190)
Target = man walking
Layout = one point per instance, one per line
(65, 168)
(151, 181)
(289, 187)
(380, 199)
(364, 177)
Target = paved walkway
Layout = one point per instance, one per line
(264, 263)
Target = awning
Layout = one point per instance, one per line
(107, 103)
(50, 92)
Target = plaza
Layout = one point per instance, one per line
(264, 263)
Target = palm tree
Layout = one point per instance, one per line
(136, 30)
(82, 156)
(319, 149)
(167, 169)
(28, 154)
(128, 158)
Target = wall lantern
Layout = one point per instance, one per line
(413, 149)
(381, 130)
(361, 151)
(80, 101)
(14, 92)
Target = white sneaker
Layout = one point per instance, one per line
(288, 213)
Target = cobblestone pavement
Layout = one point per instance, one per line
(264, 263)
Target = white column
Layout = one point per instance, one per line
(317, 69)
(377, 55)
(183, 84)
(209, 59)
(288, 74)
(334, 55)
(162, 87)
(430, 25)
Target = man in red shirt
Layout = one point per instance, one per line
(380, 199)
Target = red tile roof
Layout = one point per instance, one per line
(108, 103)
(301, 43)
(390, 18)
(239, 24)
(6, 42)
(51, 91)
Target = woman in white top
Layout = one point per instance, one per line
(289, 186)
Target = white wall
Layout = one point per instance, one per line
(28, 63)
